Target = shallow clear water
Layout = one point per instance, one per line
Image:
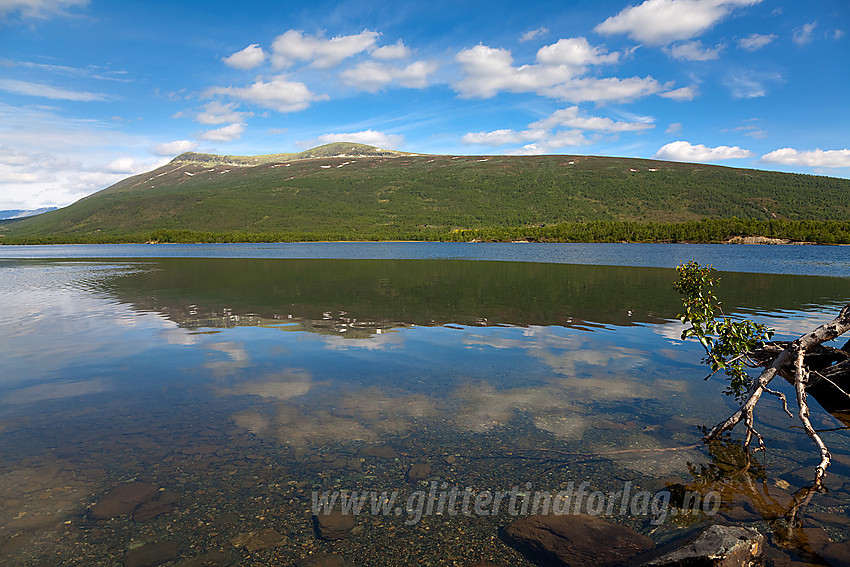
(240, 379)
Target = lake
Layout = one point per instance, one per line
(225, 388)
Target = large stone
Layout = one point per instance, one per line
(418, 471)
(836, 553)
(260, 539)
(151, 554)
(378, 452)
(163, 504)
(214, 558)
(575, 540)
(716, 546)
(324, 560)
(333, 526)
(123, 500)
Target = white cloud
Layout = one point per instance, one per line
(125, 165)
(837, 34)
(488, 71)
(659, 22)
(755, 41)
(811, 158)
(673, 128)
(502, 137)
(803, 34)
(571, 118)
(294, 46)
(604, 90)
(278, 94)
(531, 34)
(561, 129)
(371, 76)
(396, 51)
(27, 88)
(248, 58)
(683, 151)
(683, 93)
(369, 137)
(750, 84)
(225, 133)
(47, 159)
(694, 51)
(174, 148)
(39, 8)
(216, 112)
(575, 52)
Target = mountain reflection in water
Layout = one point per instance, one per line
(237, 386)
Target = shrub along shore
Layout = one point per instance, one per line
(702, 231)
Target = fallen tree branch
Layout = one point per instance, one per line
(792, 356)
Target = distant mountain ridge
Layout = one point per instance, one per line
(346, 191)
(21, 213)
(336, 149)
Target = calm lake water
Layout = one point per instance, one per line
(237, 380)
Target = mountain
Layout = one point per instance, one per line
(21, 213)
(343, 190)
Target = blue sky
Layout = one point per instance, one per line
(94, 91)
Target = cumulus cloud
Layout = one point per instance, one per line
(174, 148)
(755, 41)
(39, 9)
(659, 22)
(563, 128)
(694, 51)
(225, 133)
(531, 34)
(369, 137)
(248, 58)
(810, 158)
(575, 52)
(216, 112)
(557, 74)
(487, 71)
(571, 118)
(294, 46)
(396, 51)
(27, 88)
(124, 165)
(372, 76)
(683, 93)
(278, 94)
(604, 90)
(803, 34)
(47, 159)
(683, 151)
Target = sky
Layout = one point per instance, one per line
(94, 91)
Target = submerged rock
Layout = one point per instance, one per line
(324, 560)
(123, 500)
(163, 504)
(151, 554)
(214, 558)
(333, 526)
(418, 471)
(716, 546)
(260, 539)
(378, 452)
(575, 540)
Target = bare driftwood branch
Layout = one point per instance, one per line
(795, 361)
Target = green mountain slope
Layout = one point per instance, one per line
(355, 189)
